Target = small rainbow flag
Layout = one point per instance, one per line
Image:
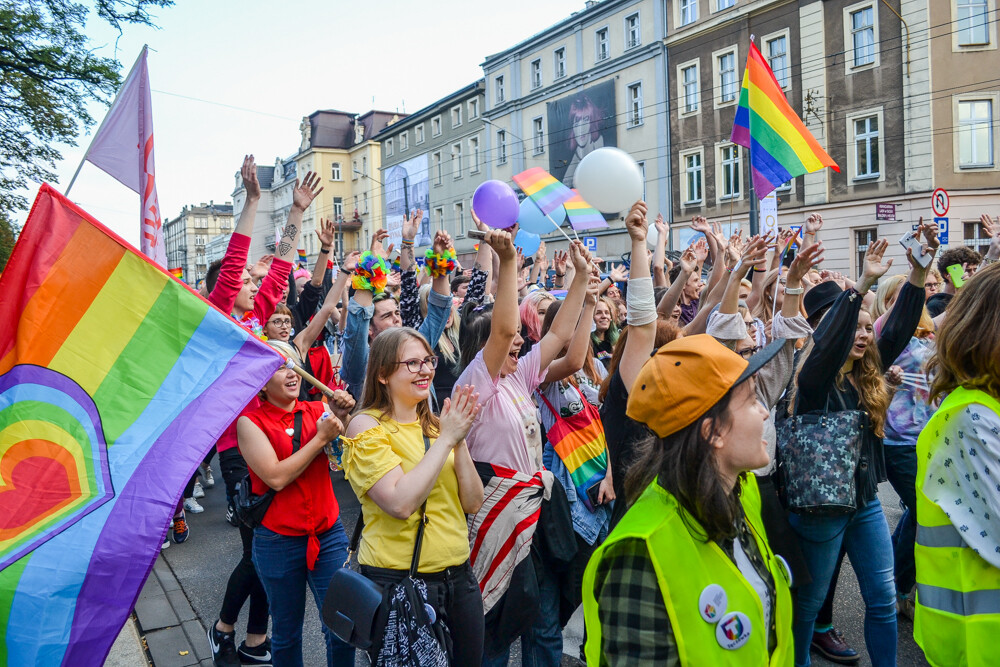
(781, 147)
(177, 272)
(582, 215)
(548, 193)
(302, 257)
(100, 426)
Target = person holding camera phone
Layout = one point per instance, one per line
(300, 541)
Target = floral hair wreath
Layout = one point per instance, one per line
(371, 274)
(439, 264)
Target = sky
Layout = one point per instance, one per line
(235, 77)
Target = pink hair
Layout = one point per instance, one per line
(530, 318)
(582, 106)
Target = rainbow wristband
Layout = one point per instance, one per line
(371, 274)
(439, 264)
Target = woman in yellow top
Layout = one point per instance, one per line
(392, 474)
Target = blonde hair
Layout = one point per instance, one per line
(887, 291)
(383, 358)
(448, 342)
(967, 350)
(764, 308)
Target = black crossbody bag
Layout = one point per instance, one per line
(251, 508)
(355, 608)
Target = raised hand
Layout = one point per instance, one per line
(719, 235)
(326, 232)
(442, 241)
(991, 228)
(689, 261)
(700, 224)
(580, 257)
(559, 262)
(260, 269)
(459, 412)
(635, 221)
(700, 248)
(784, 236)
(351, 261)
(503, 244)
(411, 224)
(930, 233)
(805, 259)
(661, 226)
(304, 193)
(875, 266)
(618, 274)
(520, 259)
(593, 288)
(814, 223)
(248, 174)
(480, 225)
(376, 244)
(754, 255)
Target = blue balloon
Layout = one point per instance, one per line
(530, 218)
(527, 242)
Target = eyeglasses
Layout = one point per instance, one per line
(417, 365)
(284, 322)
(749, 352)
(933, 285)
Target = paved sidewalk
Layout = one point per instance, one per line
(173, 633)
(128, 650)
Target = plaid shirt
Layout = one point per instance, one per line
(635, 627)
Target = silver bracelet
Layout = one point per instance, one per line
(794, 291)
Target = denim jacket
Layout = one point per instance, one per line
(355, 346)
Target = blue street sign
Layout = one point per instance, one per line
(590, 243)
(942, 230)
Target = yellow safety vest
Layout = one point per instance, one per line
(957, 620)
(686, 567)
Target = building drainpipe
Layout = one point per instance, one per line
(906, 28)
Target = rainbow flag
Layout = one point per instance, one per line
(548, 193)
(177, 272)
(582, 215)
(781, 147)
(302, 257)
(115, 380)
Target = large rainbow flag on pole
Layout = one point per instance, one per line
(115, 380)
(781, 147)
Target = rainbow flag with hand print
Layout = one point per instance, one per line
(115, 380)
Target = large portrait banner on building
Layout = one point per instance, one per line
(407, 184)
(578, 124)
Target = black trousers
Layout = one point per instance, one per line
(243, 582)
(454, 594)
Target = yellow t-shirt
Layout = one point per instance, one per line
(387, 541)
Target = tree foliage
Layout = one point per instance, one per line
(48, 75)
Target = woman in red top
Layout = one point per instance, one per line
(301, 539)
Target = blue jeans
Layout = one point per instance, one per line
(865, 536)
(281, 563)
(901, 469)
(542, 643)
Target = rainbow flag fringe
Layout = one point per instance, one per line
(781, 147)
(115, 380)
(548, 193)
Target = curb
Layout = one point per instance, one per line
(173, 634)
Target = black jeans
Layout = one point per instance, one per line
(454, 594)
(243, 582)
(901, 469)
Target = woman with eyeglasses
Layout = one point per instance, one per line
(398, 455)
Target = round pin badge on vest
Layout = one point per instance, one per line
(712, 603)
(733, 630)
(431, 612)
(786, 567)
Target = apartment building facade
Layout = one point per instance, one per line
(187, 236)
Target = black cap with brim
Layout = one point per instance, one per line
(758, 360)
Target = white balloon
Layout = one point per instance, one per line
(609, 180)
(651, 235)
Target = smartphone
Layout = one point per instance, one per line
(476, 234)
(957, 274)
(593, 493)
(528, 261)
(911, 241)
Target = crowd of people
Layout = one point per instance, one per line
(524, 440)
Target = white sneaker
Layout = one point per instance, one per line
(191, 505)
(198, 491)
(207, 479)
(166, 543)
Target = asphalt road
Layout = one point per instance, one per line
(203, 564)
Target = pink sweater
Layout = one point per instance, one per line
(224, 295)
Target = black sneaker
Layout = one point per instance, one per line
(258, 655)
(223, 646)
(231, 516)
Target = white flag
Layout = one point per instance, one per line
(123, 147)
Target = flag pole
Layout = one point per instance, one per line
(754, 202)
(560, 229)
(101, 127)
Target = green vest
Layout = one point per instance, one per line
(685, 566)
(957, 619)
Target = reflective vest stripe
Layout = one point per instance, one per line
(939, 536)
(969, 603)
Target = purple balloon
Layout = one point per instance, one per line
(496, 204)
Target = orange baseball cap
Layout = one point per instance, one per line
(685, 378)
